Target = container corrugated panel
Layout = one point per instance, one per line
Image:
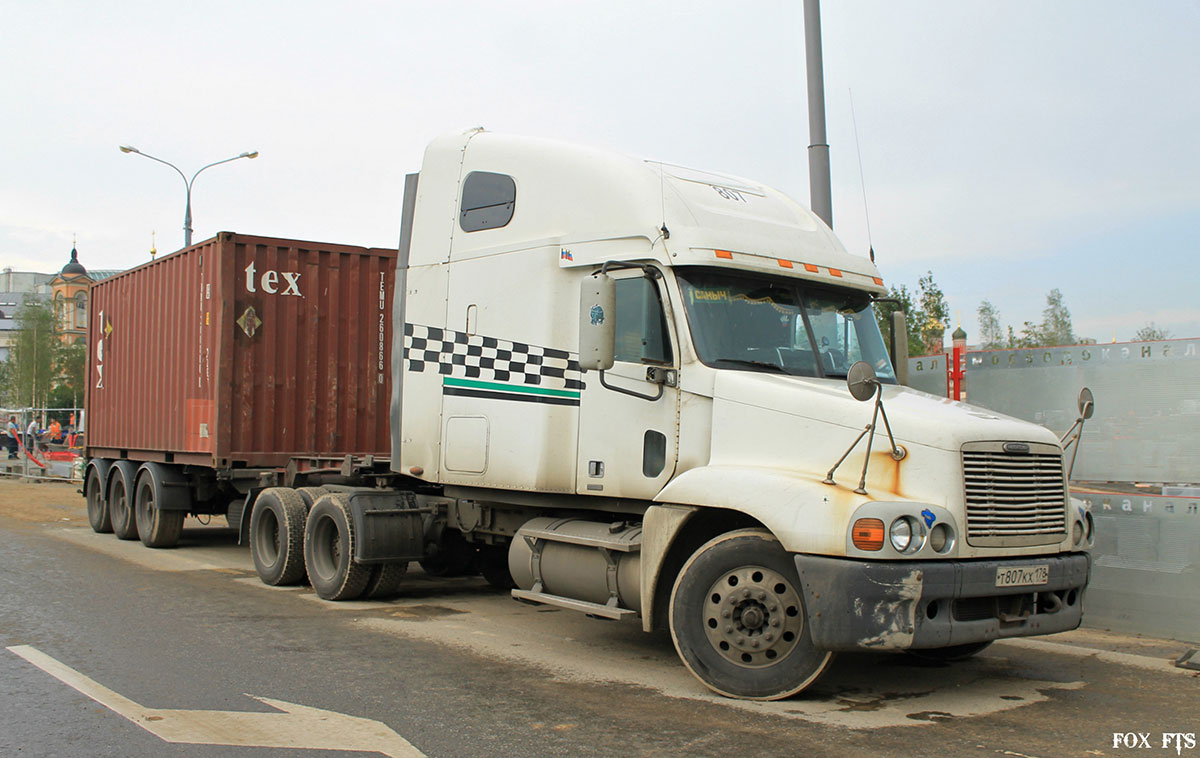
(243, 351)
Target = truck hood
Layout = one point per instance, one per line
(916, 418)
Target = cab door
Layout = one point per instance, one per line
(628, 439)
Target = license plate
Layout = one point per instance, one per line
(1022, 576)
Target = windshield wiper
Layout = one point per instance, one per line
(754, 364)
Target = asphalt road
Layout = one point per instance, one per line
(187, 639)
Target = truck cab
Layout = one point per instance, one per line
(701, 465)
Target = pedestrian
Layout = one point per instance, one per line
(31, 435)
(55, 432)
(11, 440)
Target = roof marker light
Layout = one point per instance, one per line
(835, 272)
(785, 264)
(724, 254)
(810, 268)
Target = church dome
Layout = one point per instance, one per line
(74, 267)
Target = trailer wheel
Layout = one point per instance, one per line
(277, 536)
(329, 550)
(738, 619)
(120, 499)
(156, 527)
(310, 495)
(950, 654)
(385, 580)
(97, 502)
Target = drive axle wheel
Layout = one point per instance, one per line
(329, 541)
(277, 536)
(738, 619)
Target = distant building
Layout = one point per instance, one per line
(68, 290)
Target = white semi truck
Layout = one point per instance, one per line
(634, 390)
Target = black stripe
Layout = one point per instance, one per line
(464, 392)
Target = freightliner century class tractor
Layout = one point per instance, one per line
(616, 386)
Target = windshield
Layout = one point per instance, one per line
(756, 322)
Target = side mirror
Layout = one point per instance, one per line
(1087, 405)
(862, 381)
(900, 346)
(597, 323)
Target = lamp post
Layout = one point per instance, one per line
(187, 183)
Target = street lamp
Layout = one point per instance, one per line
(187, 183)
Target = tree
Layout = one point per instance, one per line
(1150, 332)
(31, 357)
(934, 313)
(1056, 322)
(884, 311)
(71, 366)
(1031, 335)
(991, 334)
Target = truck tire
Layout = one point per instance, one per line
(454, 557)
(329, 541)
(385, 580)
(97, 501)
(121, 477)
(277, 536)
(738, 620)
(493, 564)
(310, 495)
(156, 528)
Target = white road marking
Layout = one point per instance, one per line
(295, 726)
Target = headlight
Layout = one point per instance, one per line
(902, 534)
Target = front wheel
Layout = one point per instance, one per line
(738, 619)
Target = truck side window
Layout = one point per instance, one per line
(487, 201)
(641, 325)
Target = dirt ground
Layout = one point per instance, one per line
(42, 501)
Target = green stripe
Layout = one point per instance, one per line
(528, 389)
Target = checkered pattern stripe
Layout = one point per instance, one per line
(451, 353)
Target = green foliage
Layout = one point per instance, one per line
(932, 304)
(71, 367)
(31, 356)
(884, 311)
(1056, 321)
(1150, 332)
(1055, 328)
(991, 334)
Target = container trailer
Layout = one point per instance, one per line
(618, 386)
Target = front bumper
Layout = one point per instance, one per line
(900, 605)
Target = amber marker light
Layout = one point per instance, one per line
(867, 534)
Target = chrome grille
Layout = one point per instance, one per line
(1014, 499)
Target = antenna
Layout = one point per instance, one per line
(862, 182)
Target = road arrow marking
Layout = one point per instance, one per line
(296, 726)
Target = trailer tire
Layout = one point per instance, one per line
(738, 620)
(311, 495)
(97, 499)
(329, 542)
(385, 580)
(121, 477)
(156, 527)
(277, 536)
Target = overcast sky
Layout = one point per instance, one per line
(1008, 147)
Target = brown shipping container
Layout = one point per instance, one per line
(243, 351)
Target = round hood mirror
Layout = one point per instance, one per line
(1087, 405)
(861, 380)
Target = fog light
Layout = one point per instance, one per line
(901, 534)
(941, 539)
